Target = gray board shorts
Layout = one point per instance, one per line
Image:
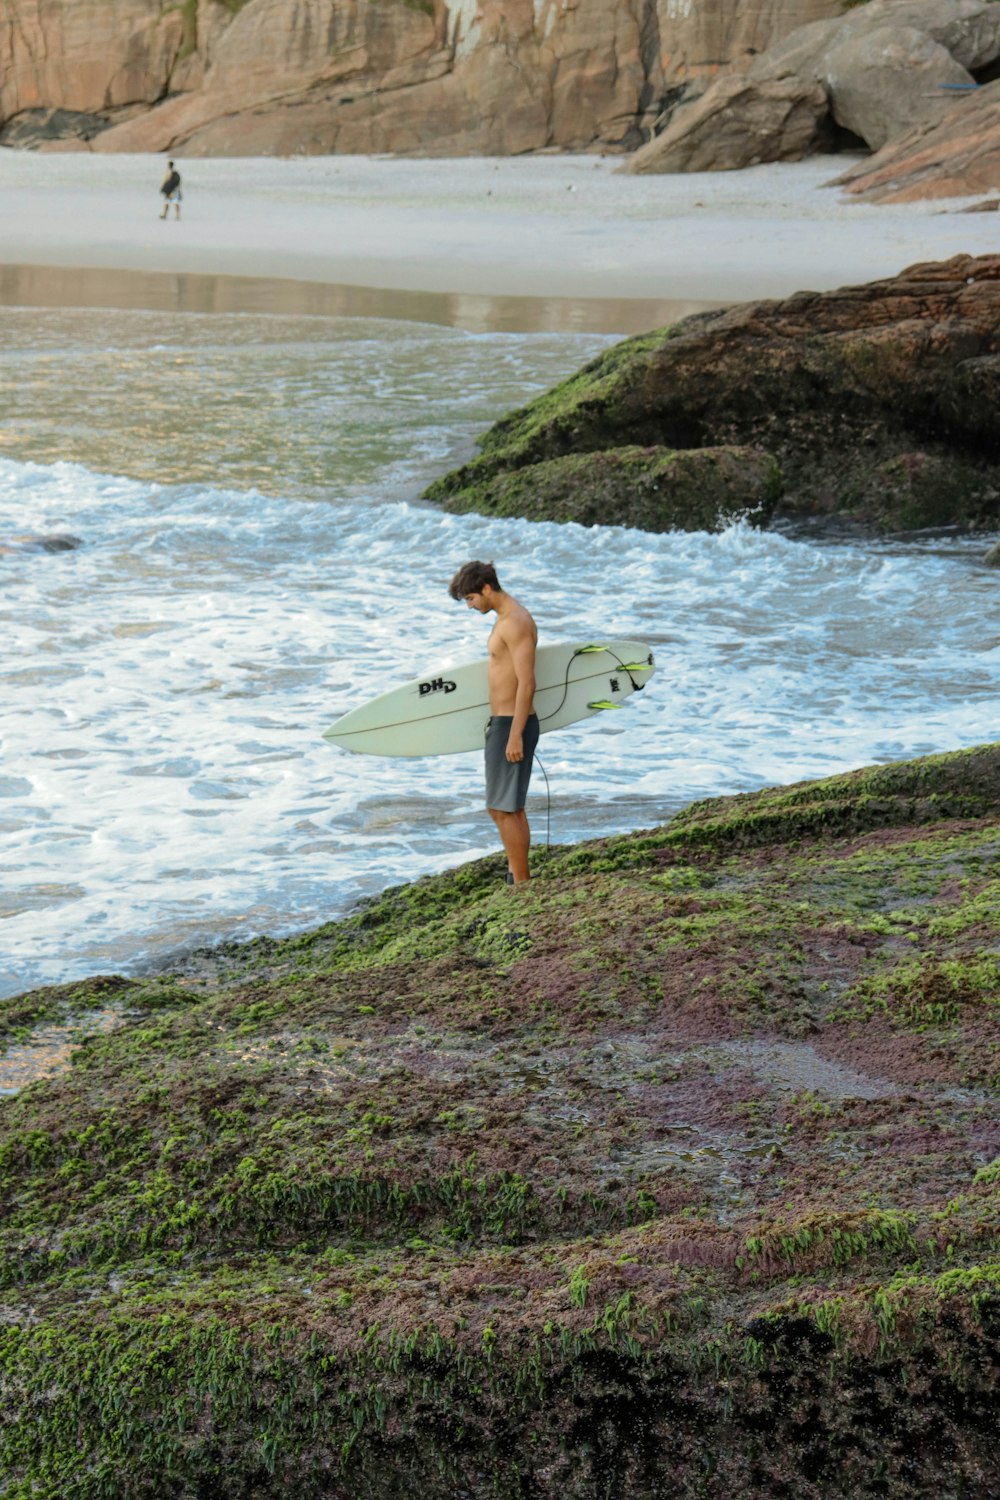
(507, 781)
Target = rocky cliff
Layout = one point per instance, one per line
(879, 71)
(874, 403)
(673, 1174)
(246, 77)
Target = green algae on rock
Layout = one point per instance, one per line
(654, 489)
(677, 1175)
(877, 402)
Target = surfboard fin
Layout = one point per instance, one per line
(605, 703)
(588, 650)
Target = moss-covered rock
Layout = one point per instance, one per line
(655, 489)
(675, 1173)
(878, 402)
(910, 491)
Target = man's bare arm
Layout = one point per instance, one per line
(519, 637)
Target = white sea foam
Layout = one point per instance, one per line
(163, 775)
(163, 779)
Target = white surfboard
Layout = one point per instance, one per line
(446, 711)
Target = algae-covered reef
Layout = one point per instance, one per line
(675, 1174)
(875, 403)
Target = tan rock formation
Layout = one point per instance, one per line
(967, 29)
(420, 76)
(882, 68)
(738, 123)
(889, 80)
(90, 55)
(957, 156)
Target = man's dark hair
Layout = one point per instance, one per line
(470, 579)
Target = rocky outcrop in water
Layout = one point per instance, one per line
(878, 402)
(880, 71)
(675, 1173)
(35, 542)
(652, 488)
(263, 77)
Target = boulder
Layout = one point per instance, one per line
(880, 70)
(738, 123)
(957, 156)
(800, 54)
(968, 30)
(654, 489)
(54, 542)
(914, 490)
(878, 402)
(887, 81)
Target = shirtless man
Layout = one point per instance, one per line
(512, 731)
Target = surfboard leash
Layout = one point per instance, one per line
(628, 668)
(553, 711)
(594, 650)
(548, 805)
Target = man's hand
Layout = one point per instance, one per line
(515, 747)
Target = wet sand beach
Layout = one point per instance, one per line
(559, 229)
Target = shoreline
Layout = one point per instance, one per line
(564, 228)
(91, 287)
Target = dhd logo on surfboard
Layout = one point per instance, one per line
(439, 685)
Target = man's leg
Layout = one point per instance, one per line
(516, 839)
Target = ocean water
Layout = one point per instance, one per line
(253, 560)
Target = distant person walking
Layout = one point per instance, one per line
(171, 190)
